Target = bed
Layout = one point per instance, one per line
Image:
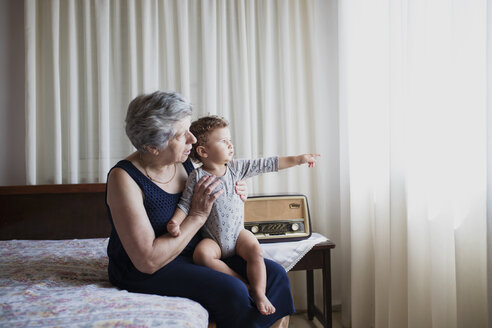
(53, 265)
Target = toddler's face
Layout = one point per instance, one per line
(219, 146)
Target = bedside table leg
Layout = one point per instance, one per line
(327, 290)
(310, 293)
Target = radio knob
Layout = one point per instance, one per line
(255, 229)
(294, 226)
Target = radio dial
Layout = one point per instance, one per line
(255, 229)
(294, 226)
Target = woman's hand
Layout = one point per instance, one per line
(204, 196)
(242, 190)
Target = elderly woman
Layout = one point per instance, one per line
(142, 193)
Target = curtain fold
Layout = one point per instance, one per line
(489, 160)
(413, 94)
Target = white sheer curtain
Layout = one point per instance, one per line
(254, 62)
(413, 97)
(85, 60)
(401, 185)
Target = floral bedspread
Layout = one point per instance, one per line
(63, 283)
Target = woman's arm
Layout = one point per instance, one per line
(147, 252)
(284, 162)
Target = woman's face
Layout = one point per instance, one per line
(179, 146)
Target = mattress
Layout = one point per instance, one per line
(63, 283)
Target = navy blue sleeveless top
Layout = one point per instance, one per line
(160, 207)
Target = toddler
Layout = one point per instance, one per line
(224, 233)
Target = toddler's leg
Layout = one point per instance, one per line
(248, 247)
(207, 253)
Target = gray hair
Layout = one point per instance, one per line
(150, 118)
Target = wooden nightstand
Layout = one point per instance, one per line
(318, 258)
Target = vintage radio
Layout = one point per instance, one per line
(273, 218)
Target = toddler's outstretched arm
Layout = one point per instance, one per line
(284, 162)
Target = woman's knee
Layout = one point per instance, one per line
(276, 274)
(234, 291)
(274, 268)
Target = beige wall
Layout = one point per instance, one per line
(12, 126)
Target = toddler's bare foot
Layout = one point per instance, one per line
(263, 304)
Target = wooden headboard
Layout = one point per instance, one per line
(65, 211)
